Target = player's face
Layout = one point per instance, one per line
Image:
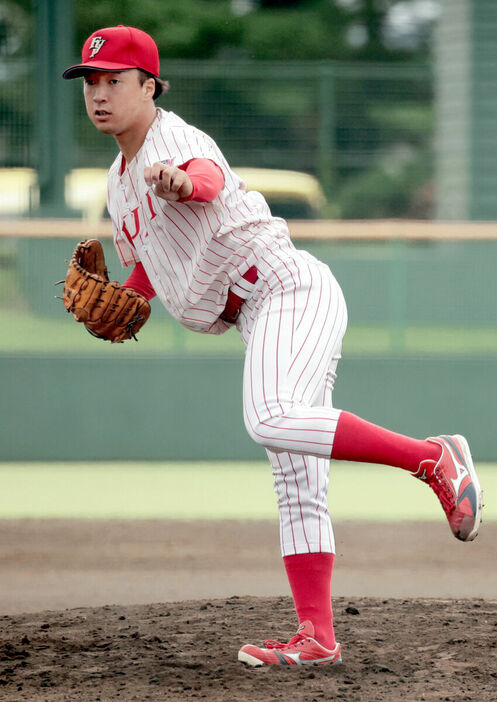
(116, 102)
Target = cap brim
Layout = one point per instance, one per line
(83, 69)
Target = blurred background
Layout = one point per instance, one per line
(369, 124)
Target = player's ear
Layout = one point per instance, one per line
(149, 88)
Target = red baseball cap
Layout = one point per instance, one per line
(117, 49)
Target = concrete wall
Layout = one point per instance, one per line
(65, 408)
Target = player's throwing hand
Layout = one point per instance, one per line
(168, 182)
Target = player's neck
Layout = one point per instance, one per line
(131, 141)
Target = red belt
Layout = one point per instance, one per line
(237, 295)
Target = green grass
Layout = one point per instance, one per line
(210, 491)
(422, 340)
(29, 333)
(26, 333)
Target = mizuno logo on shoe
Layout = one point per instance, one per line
(461, 471)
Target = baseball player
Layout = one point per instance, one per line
(216, 257)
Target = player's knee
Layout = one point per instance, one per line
(264, 432)
(254, 431)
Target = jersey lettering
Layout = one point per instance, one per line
(136, 217)
(150, 206)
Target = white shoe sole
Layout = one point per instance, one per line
(244, 657)
(471, 523)
(248, 659)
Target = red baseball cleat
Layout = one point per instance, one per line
(302, 649)
(453, 478)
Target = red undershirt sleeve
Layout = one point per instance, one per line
(139, 282)
(207, 179)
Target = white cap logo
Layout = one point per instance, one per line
(96, 45)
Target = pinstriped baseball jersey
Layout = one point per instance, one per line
(192, 252)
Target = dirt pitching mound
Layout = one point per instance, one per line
(396, 649)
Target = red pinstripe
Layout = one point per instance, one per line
(156, 242)
(179, 212)
(151, 161)
(303, 345)
(298, 500)
(318, 364)
(304, 311)
(278, 336)
(317, 500)
(287, 405)
(183, 158)
(333, 334)
(263, 375)
(283, 262)
(288, 501)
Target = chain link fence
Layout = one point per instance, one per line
(364, 131)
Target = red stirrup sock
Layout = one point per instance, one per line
(358, 440)
(309, 575)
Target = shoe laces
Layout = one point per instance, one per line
(443, 490)
(294, 641)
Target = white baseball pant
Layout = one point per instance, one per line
(293, 326)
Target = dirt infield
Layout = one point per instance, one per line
(415, 611)
(393, 649)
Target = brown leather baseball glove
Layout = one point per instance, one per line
(107, 310)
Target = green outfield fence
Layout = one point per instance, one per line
(420, 354)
